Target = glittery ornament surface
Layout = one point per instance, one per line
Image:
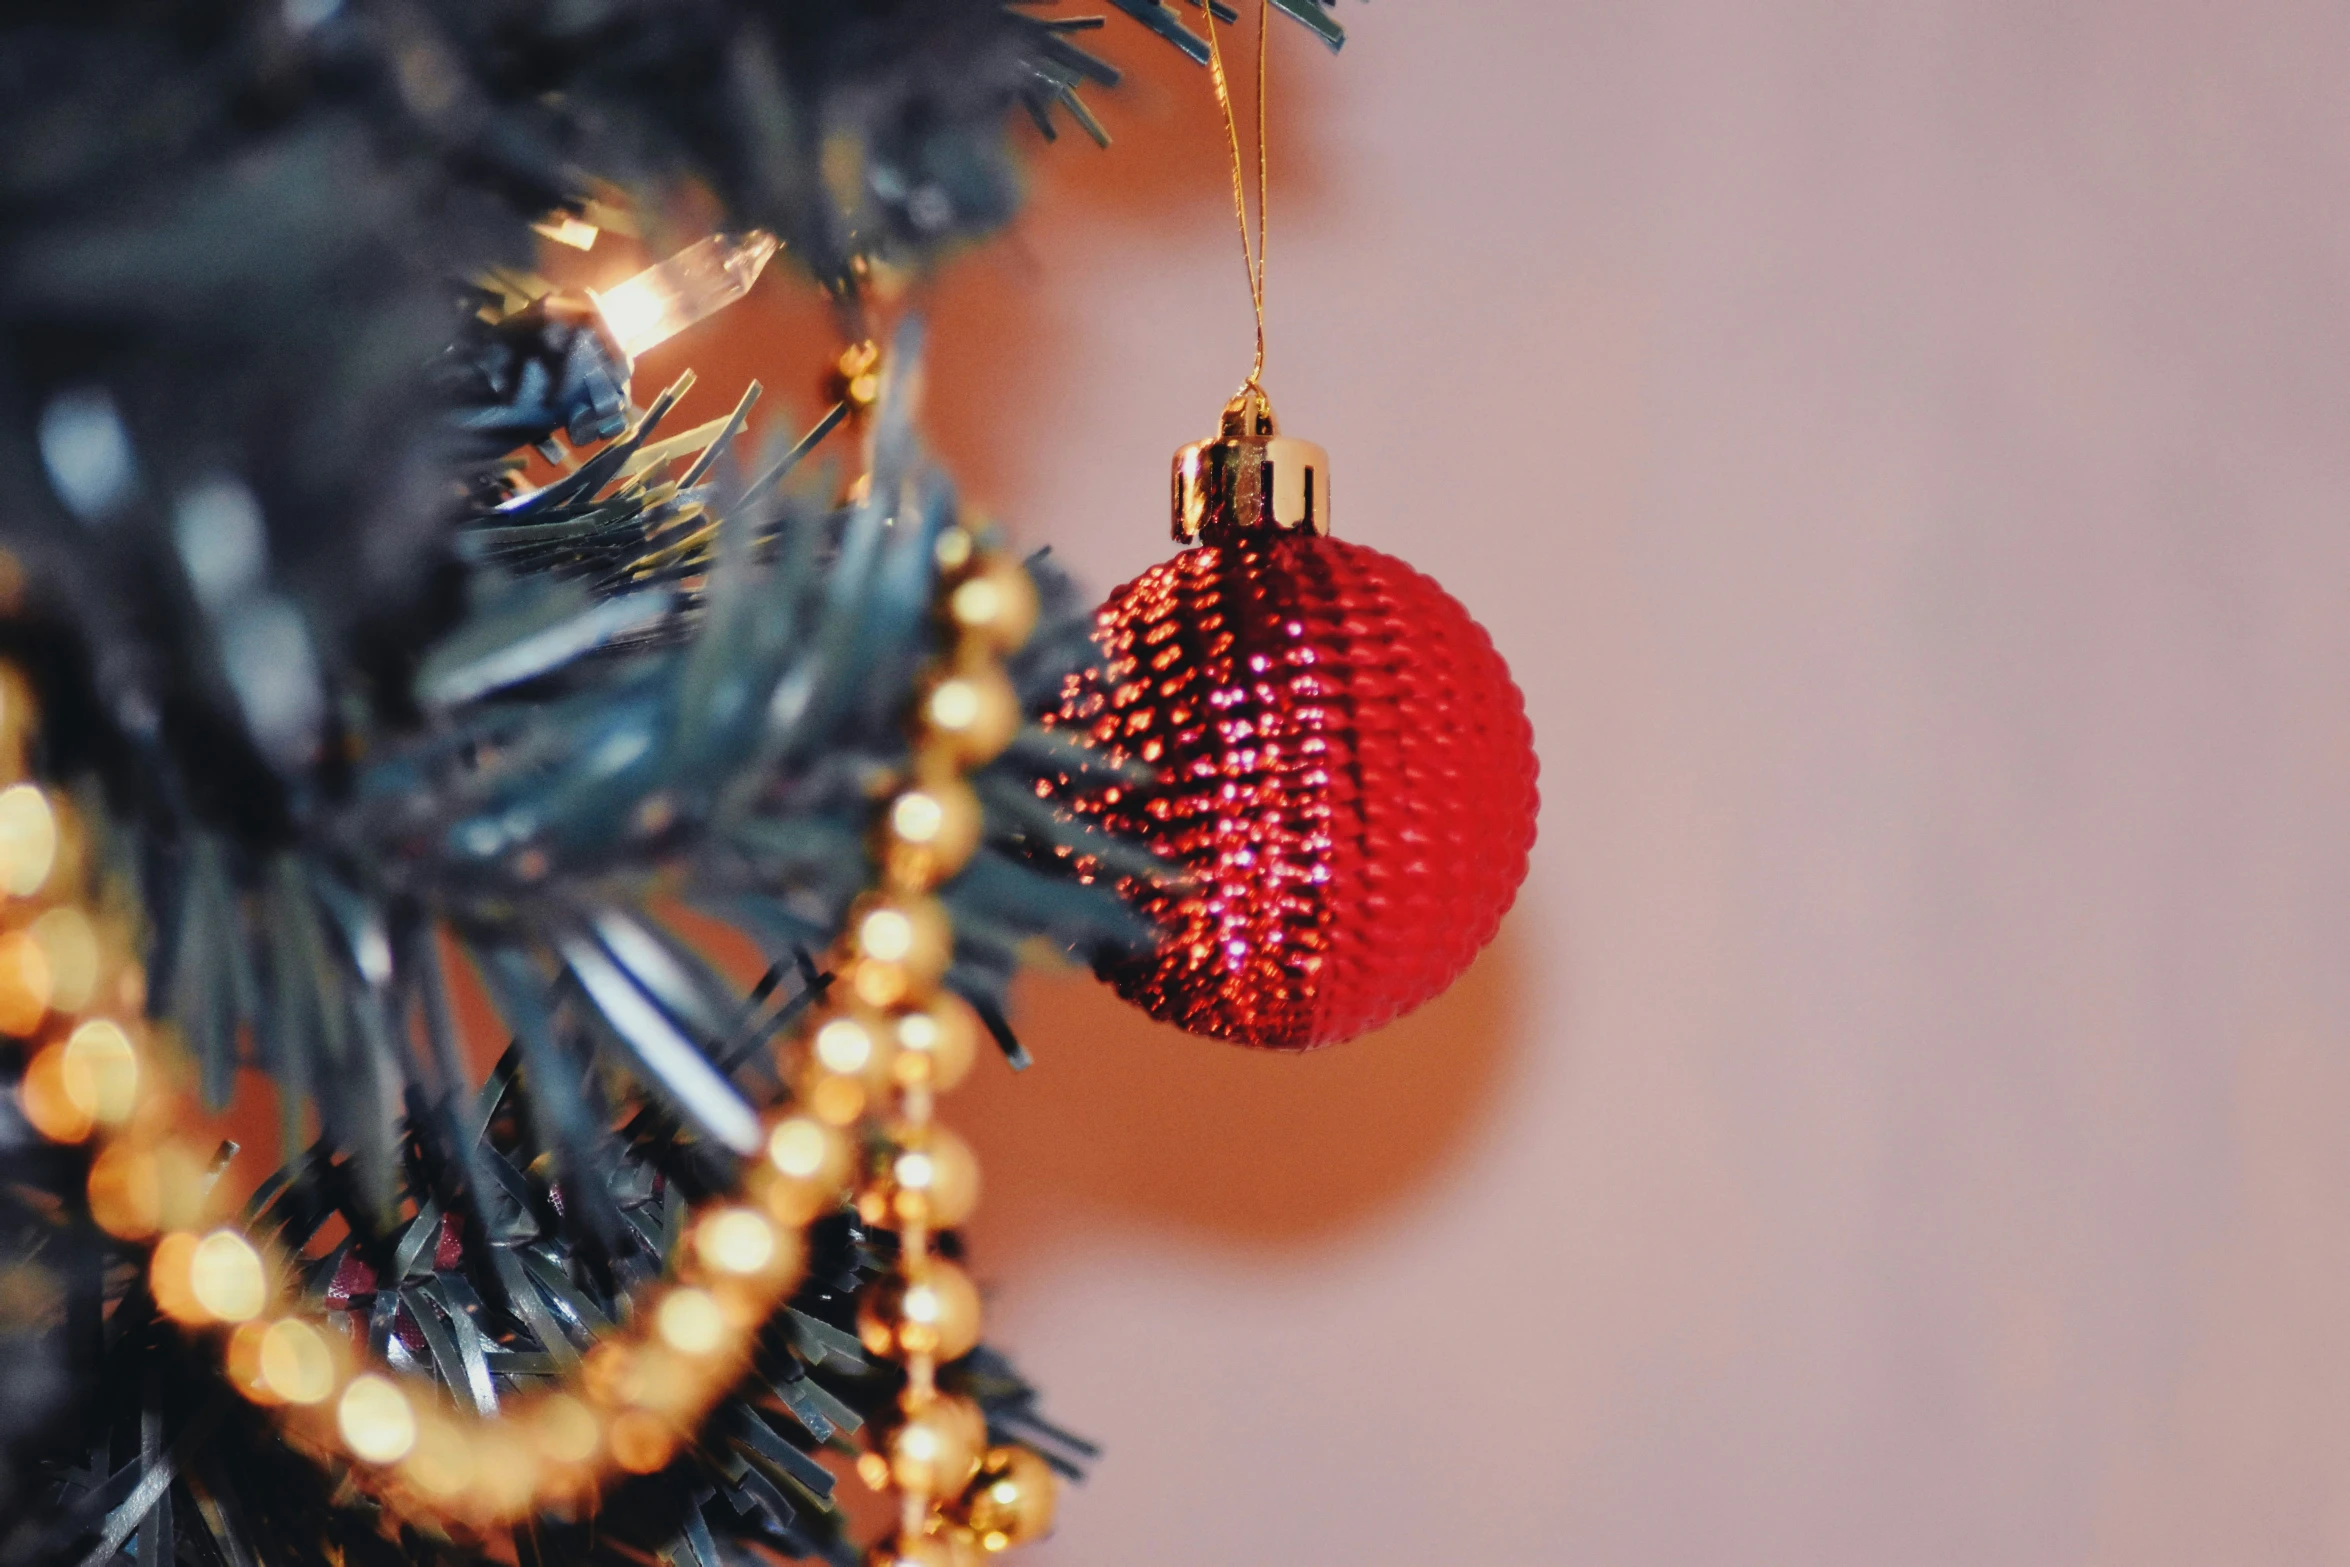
(1341, 764)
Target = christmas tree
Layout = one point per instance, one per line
(402, 709)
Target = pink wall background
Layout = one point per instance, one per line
(1902, 449)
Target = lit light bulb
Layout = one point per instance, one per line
(700, 280)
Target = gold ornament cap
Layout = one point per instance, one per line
(1250, 479)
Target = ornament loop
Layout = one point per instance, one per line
(1250, 478)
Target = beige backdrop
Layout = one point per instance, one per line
(1902, 448)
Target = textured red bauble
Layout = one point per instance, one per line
(1337, 761)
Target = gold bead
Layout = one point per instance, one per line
(879, 983)
(377, 1422)
(609, 1373)
(441, 1461)
(928, 832)
(935, 1449)
(244, 1362)
(126, 1191)
(24, 984)
(296, 1362)
(740, 1242)
(691, 1323)
(928, 1176)
(856, 376)
(640, 1442)
(669, 1381)
(912, 931)
(953, 549)
(836, 1101)
(167, 1277)
(212, 1278)
(226, 1279)
(900, 947)
(937, 1317)
(137, 1190)
(851, 1042)
(936, 1043)
(806, 1170)
(970, 712)
(565, 1430)
(505, 1477)
(68, 941)
(46, 1100)
(28, 839)
(100, 1072)
(1011, 1500)
(995, 605)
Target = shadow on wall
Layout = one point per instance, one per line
(1127, 1123)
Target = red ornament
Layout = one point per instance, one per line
(1339, 760)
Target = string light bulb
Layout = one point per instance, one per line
(696, 283)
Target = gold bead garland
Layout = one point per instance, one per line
(882, 1055)
(635, 1398)
(73, 995)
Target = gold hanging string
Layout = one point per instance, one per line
(1252, 258)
